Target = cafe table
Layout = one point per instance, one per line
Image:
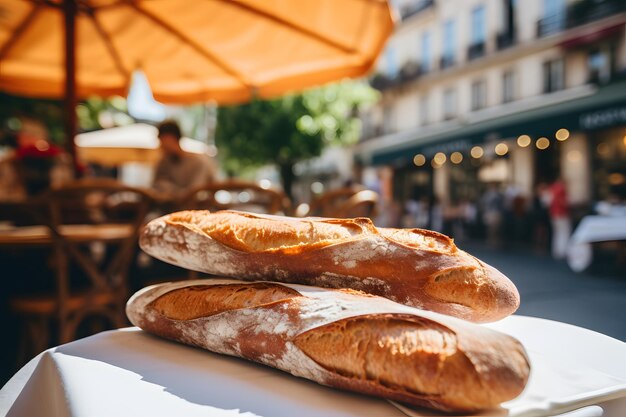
(40, 235)
(128, 372)
(593, 229)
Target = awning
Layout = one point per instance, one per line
(593, 37)
(598, 109)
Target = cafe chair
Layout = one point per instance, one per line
(236, 195)
(93, 229)
(341, 203)
(361, 204)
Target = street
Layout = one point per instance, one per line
(594, 300)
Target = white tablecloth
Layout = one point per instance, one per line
(599, 229)
(130, 373)
(593, 229)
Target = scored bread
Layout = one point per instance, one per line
(341, 338)
(416, 267)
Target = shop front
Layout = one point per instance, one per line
(581, 140)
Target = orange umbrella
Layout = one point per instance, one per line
(226, 51)
(190, 51)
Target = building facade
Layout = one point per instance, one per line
(506, 92)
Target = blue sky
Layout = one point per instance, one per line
(141, 103)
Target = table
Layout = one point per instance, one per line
(79, 233)
(593, 229)
(128, 372)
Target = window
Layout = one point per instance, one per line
(508, 33)
(508, 16)
(553, 75)
(600, 64)
(391, 63)
(449, 104)
(553, 17)
(479, 29)
(424, 110)
(554, 8)
(426, 52)
(508, 86)
(479, 95)
(449, 35)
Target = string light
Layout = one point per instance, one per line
(456, 157)
(419, 160)
(616, 179)
(477, 152)
(562, 134)
(542, 143)
(603, 149)
(440, 158)
(523, 141)
(501, 149)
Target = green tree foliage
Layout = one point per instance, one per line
(49, 112)
(93, 113)
(97, 113)
(289, 129)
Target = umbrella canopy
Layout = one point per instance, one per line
(190, 51)
(133, 143)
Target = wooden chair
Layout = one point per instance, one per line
(345, 202)
(361, 204)
(236, 195)
(83, 216)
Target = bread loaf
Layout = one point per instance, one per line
(341, 338)
(415, 267)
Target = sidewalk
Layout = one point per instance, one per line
(549, 289)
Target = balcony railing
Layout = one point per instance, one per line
(579, 13)
(586, 11)
(475, 51)
(550, 25)
(410, 71)
(414, 8)
(505, 40)
(446, 62)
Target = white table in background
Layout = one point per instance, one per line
(592, 229)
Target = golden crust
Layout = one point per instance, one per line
(415, 267)
(419, 357)
(193, 302)
(409, 355)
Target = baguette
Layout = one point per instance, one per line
(415, 267)
(341, 338)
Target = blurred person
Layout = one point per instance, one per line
(415, 214)
(468, 215)
(559, 218)
(411, 208)
(540, 217)
(35, 164)
(436, 215)
(178, 171)
(492, 204)
(509, 221)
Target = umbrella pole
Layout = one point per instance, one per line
(69, 12)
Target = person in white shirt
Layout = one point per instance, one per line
(179, 171)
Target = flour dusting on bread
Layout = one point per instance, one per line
(416, 267)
